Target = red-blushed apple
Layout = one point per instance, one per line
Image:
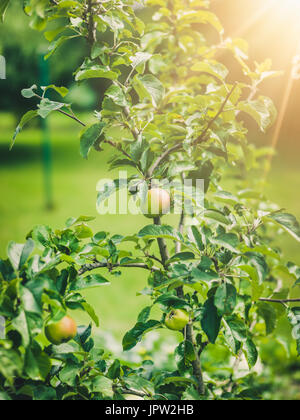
(62, 331)
(158, 203)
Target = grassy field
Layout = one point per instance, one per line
(74, 190)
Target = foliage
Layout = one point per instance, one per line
(170, 112)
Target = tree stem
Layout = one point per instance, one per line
(162, 244)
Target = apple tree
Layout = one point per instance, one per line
(171, 111)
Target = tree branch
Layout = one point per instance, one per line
(162, 245)
(196, 364)
(91, 37)
(72, 116)
(279, 300)
(94, 266)
(199, 140)
(180, 230)
(202, 136)
(162, 158)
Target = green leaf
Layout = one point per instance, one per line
(184, 355)
(83, 231)
(135, 335)
(201, 16)
(215, 69)
(155, 231)
(62, 91)
(201, 274)
(225, 299)
(37, 365)
(238, 328)
(182, 256)
(3, 7)
(96, 72)
(198, 238)
(19, 253)
(11, 364)
(69, 374)
(226, 197)
(24, 120)
(262, 110)
(138, 61)
(76, 220)
(116, 94)
(91, 312)
(268, 313)
(294, 318)
(211, 321)
(257, 287)
(51, 35)
(103, 385)
(149, 87)
(89, 137)
(229, 241)
(114, 371)
(46, 107)
(144, 314)
(44, 393)
(288, 222)
(171, 301)
(217, 216)
(21, 325)
(56, 44)
(137, 382)
(93, 280)
(230, 339)
(29, 93)
(251, 352)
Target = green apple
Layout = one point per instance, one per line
(158, 203)
(177, 319)
(62, 331)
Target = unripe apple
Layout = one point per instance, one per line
(158, 203)
(62, 331)
(177, 319)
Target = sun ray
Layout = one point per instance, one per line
(283, 108)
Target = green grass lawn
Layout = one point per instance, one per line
(74, 186)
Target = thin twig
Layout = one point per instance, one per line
(134, 392)
(199, 140)
(121, 150)
(279, 300)
(202, 136)
(162, 158)
(94, 266)
(72, 116)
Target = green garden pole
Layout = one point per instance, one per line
(46, 141)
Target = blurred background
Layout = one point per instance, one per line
(44, 180)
